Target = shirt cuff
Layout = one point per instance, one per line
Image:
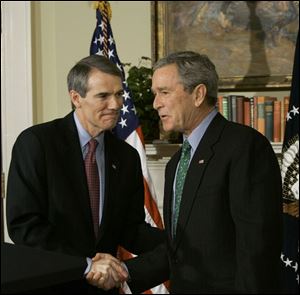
(89, 265)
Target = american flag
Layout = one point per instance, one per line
(290, 179)
(128, 127)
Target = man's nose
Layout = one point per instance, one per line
(116, 102)
(156, 102)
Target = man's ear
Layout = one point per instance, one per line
(200, 94)
(75, 98)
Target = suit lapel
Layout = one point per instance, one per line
(193, 180)
(168, 192)
(199, 162)
(111, 179)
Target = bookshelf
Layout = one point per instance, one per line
(277, 147)
(164, 151)
(267, 114)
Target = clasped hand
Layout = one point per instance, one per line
(106, 272)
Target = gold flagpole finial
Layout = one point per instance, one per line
(103, 6)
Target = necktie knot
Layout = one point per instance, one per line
(186, 147)
(91, 154)
(92, 145)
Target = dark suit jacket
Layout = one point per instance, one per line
(47, 195)
(230, 221)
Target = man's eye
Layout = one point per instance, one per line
(102, 95)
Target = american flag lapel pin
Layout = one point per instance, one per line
(201, 161)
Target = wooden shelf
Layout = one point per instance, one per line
(277, 147)
(165, 151)
(158, 151)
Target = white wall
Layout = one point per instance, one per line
(62, 31)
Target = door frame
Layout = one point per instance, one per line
(16, 83)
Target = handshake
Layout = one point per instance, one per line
(106, 272)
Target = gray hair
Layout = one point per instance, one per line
(194, 69)
(79, 75)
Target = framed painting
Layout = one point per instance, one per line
(251, 43)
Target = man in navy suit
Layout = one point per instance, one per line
(48, 204)
(222, 197)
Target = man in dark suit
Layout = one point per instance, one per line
(48, 191)
(222, 197)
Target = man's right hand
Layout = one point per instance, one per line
(106, 272)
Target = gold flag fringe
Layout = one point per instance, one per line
(103, 6)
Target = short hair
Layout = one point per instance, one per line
(79, 75)
(193, 69)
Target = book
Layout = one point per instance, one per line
(220, 104)
(247, 114)
(255, 112)
(269, 119)
(225, 107)
(233, 108)
(229, 108)
(240, 109)
(261, 114)
(277, 121)
(286, 101)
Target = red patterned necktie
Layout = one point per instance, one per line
(92, 176)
